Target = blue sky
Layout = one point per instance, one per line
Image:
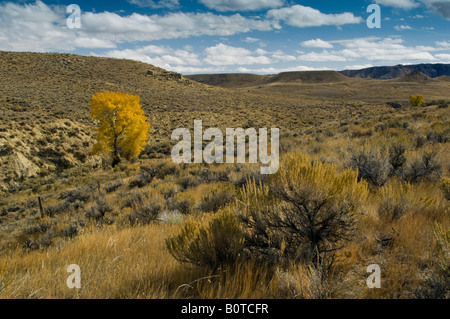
(219, 36)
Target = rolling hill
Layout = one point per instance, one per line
(236, 80)
(392, 72)
(45, 125)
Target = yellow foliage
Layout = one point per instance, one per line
(298, 173)
(123, 127)
(213, 241)
(416, 100)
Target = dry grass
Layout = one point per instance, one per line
(124, 259)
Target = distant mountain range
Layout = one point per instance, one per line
(392, 72)
(403, 73)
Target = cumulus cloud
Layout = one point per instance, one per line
(441, 7)
(137, 27)
(443, 44)
(402, 27)
(369, 50)
(317, 43)
(171, 4)
(33, 27)
(242, 5)
(301, 16)
(219, 58)
(358, 66)
(388, 49)
(39, 27)
(93, 43)
(444, 58)
(281, 56)
(223, 54)
(403, 4)
(251, 40)
(324, 56)
(161, 56)
(274, 70)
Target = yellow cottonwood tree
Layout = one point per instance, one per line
(123, 126)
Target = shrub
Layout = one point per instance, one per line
(443, 104)
(168, 189)
(437, 281)
(395, 105)
(420, 141)
(212, 243)
(183, 202)
(307, 211)
(397, 158)
(55, 209)
(416, 100)
(144, 177)
(361, 133)
(113, 186)
(146, 213)
(71, 230)
(394, 202)
(168, 168)
(218, 198)
(427, 167)
(445, 187)
(373, 166)
(99, 210)
(82, 194)
(188, 181)
(154, 149)
(134, 199)
(439, 133)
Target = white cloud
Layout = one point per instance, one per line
(301, 16)
(443, 44)
(441, 7)
(444, 58)
(358, 66)
(156, 4)
(139, 27)
(251, 40)
(274, 70)
(281, 56)
(323, 56)
(161, 56)
(317, 43)
(93, 43)
(223, 54)
(402, 27)
(388, 49)
(403, 4)
(39, 27)
(33, 27)
(242, 5)
(344, 41)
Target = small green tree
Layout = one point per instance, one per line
(416, 100)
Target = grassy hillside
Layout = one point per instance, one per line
(150, 228)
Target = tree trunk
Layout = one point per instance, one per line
(116, 157)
